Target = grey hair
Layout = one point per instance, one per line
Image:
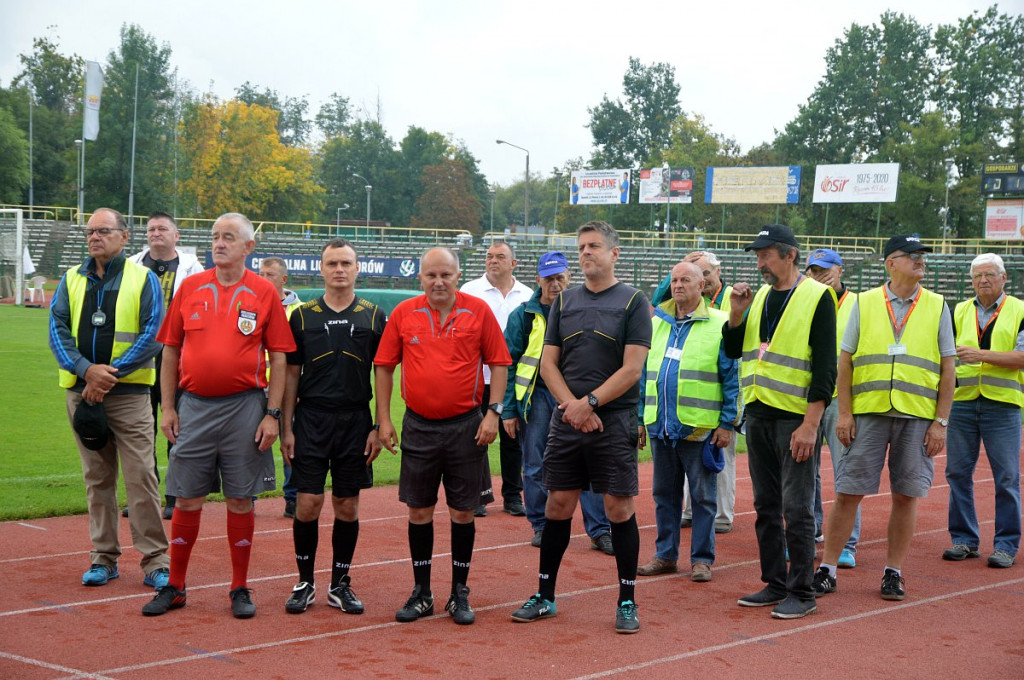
(511, 249)
(247, 231)
(119, 219)
(451, 254)
(988, 258)
(710, 257)
(280, 263)
(783, 249)
(607, 231)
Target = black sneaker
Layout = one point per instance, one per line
(480, 511)
(823, 583)
(458, 606)
(538, 536)
(289, 509)
(535, 608)
(892, 586)
(626, 620)
(166, 599)
(761, 598)
(342, 597)
(303, 595)
(417, 606)
(514, 507)
(603, 543)
(242, 606)
(794, 608)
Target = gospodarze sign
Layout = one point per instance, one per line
(856, 183)
(599, 187)
(392, 267)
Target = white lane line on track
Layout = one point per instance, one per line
(888, 609)
(75, 673)
(32, 526)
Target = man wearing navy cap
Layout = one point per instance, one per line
(826, 266)
(896, 382)
(528, 402)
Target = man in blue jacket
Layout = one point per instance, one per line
(529, 404)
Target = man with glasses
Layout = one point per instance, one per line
(171, 267)
(896, 381)
(990, 346)
(103, 324)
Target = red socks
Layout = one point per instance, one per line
(240, 533)
(184, 531)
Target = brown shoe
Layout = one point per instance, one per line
(657, 566)
(700, 572)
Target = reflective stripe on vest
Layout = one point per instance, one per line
(984, 379)
(699, 391)
(126, 320)
(908, 382)
(781, 378)
(529, 363)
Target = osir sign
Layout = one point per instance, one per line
(856, 183)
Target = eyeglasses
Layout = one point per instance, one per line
(914, 257)
(985, 275)
(102, 231)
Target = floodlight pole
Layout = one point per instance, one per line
(369, 189)
(526, 184)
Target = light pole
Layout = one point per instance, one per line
(337, 222)
(952, 174)
(368, 190)
(81, 190)
(526, 177)
(554, 220)
(492, 210)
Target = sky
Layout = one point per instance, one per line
(525, 71)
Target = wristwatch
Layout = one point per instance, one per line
(942, 421)
(273, 413)
(497, 407)
(592, 400)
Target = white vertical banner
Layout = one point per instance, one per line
(93, 92)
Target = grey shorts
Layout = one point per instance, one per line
(859, 471)
(216, 440)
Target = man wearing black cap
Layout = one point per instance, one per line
(103, 323)
(787, 377)
(896, 382)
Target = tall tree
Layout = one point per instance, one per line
(334, 117)
(447, 201)
(292, 124)
(365, 149)
(14, 152)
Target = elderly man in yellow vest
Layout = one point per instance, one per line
(990, 348)
(826, 266)
(896, 380)
(691, 410)
(103, 323)
(787, 376)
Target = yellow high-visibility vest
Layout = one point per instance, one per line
(843, 310)
(984, 379)
(528, 367)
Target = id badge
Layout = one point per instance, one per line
(897, 349)
(98, 318)
(761, 350)
(673, 353)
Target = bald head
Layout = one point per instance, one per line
(439, 277)
(687, 284)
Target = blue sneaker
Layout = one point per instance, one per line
(846, 560)
(99, 574)
(157, 578)
(535, 608)
(626, 620)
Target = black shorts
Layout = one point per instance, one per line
(436, 451)
(603, 461)
(334, 440)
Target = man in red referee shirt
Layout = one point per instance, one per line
(224, 424)
(441, 338)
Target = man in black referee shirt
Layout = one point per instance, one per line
(328, 392)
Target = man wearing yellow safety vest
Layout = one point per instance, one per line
(690, 406)
(528, 406)
(104, 319)
(787, 376)
(896, 381)
(990, 347)
(826, 266)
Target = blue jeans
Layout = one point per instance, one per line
(837, 451)
(290, 492)
(533, 436)
(998, 425)
(675, 459)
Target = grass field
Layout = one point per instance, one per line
(40, 470)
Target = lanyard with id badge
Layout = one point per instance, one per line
(772, 324)
(897, 348)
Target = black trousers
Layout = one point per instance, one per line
(510, 455)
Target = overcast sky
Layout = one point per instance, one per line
(521, 71)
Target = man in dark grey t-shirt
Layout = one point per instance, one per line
(598, 335)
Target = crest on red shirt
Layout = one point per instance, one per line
(246, 321)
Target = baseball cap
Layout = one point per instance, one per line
(90, 423)
(712, 456)
(908, 243)
(552, 262)
(773, 233)
(825, 258)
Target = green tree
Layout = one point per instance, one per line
(292, 125)
(334, 117)
(14, 152)
(447, 201)
(365, 149)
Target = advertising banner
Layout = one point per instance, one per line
(93, 93)
(856, 183)
(779, 184)
(599, 187)
(309, 265)
(666, 185)
(1004, 220)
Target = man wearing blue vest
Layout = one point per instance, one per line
(690, 404)
(896, 382)
(103, 323)
(787, 376)
(990, 348)
(528, 402)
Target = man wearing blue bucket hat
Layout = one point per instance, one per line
(691, 408)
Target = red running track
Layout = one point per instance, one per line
(959, 619)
